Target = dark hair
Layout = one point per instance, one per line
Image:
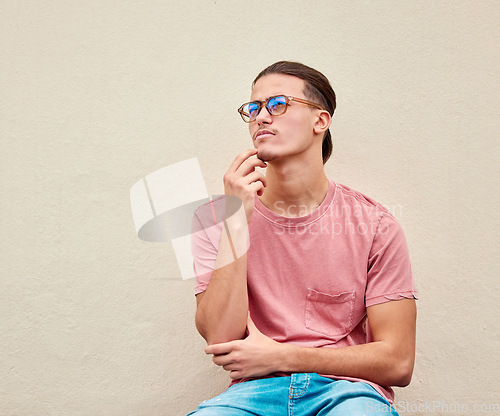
(317, 89)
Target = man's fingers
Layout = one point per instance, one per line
(235, 375)
(218, 349)
(238, 160)
(222, 360)
(243, 181)
(238, 185)
(256, 176)
(257, 187)
(249, 165)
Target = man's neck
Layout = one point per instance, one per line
(294, 189)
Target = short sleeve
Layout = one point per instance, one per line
(205, 239)
(389, 270)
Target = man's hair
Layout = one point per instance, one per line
(317, 89)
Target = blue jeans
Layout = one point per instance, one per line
(301, 394)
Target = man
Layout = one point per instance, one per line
(318, 316)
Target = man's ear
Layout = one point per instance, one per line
(323, 122)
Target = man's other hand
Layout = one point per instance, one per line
(256, 355)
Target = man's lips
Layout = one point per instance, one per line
(261, 134)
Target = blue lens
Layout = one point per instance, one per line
(252, 110)
(277, 105)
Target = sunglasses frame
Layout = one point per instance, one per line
(265, 103)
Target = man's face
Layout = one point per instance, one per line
(276, 137)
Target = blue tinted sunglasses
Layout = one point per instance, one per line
(276, 106)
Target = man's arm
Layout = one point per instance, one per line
(387, 361)
(222, 310)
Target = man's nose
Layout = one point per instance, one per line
(264, 116)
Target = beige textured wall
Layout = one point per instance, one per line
(96, 94)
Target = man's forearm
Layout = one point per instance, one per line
(375, 361)
(222, 309)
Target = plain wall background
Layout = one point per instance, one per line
(94, 95)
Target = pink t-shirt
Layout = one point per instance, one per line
(311, 278)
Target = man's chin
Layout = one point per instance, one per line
(266, 156)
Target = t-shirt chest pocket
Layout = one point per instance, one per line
(330, 314)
